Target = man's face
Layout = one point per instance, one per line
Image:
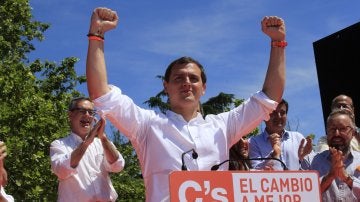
(244, 147)
(343, 102)
(185, 86)
(82, 117)
(277, 121)
(339, 132)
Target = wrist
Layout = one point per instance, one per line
(348, 180)
(95, 37)
(103, 138)
(96, 33)
(274, 154)
(97, 30)
(279, 44)
(330, 177)
(85, 144)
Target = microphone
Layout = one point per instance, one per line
(194, 156)
(217, 166)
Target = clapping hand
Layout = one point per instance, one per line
(275, 141)
(337, 169)
(3, 153)
(3, 173)
(96, 130)
(305, 148)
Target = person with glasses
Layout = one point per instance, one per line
(345, 102)
(339, 165)
(162, 139)
(83, 160)
(276, 142)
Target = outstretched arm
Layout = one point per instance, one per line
(102, 20)
(274, 83)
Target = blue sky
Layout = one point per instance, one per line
(224, 36)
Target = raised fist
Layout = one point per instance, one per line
(274, 27)
(103, 20)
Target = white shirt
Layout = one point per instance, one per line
(160, 139)
(8, 198)
(90, 180)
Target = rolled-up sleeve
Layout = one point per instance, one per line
(60, 160)
(247, 116)
(117, 166)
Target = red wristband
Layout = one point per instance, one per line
(96, 38)
(280, 44)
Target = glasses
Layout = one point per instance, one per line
(343, 106)
(91, 112)
(342, 130)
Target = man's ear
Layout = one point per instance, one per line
(204, 89)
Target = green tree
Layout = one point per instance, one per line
(220, 103)
(158, 101)
(33, 103)
(129, 183)
(33, 99)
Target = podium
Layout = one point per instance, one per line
(245, 186)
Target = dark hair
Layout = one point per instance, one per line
(74, 101)
(283, 101)
(181, 61)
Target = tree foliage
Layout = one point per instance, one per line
(33, 97)
(159, 101)
(128, 183)
(33, 102)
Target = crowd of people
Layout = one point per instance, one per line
(83, 160)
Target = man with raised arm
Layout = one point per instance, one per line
(161, 139)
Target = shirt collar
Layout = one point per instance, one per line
(76, 137)
(178, 117)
